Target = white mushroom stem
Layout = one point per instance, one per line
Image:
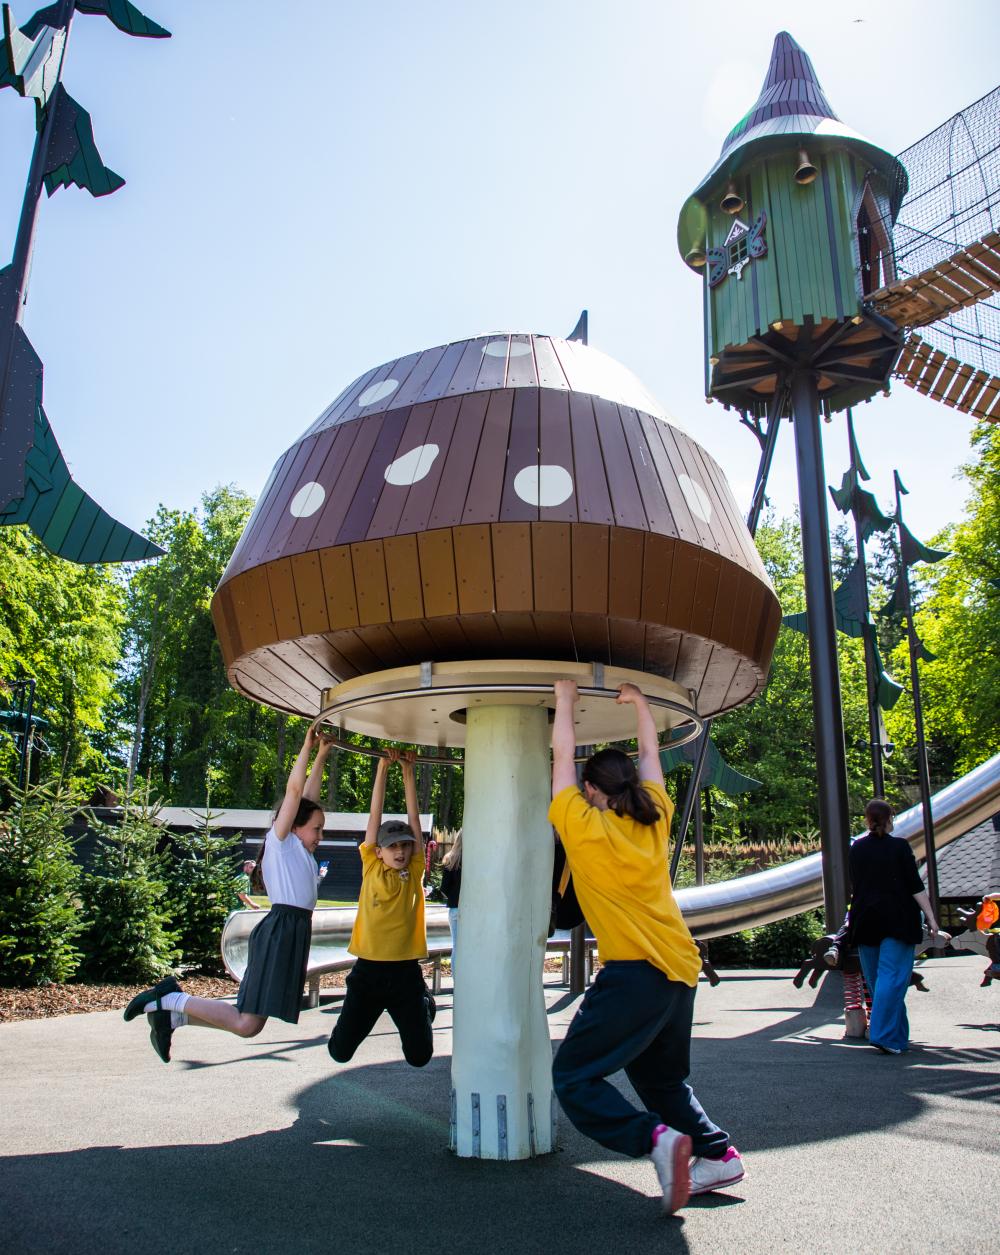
(502, 1062)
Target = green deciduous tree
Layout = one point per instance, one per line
(959, 622)
(61, 624)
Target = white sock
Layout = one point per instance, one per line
(177, 1019)
(169, 1002)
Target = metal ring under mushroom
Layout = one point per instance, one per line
(675, 738)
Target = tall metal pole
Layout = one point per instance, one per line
(923, 771)
(868, 637)
(24, 240)
(699, 844)
(824, 671)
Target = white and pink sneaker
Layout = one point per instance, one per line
(671, 1156)
(716, 1174)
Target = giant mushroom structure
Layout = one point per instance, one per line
(461, 527)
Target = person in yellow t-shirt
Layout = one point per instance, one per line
(389, 937)
(637, 1015)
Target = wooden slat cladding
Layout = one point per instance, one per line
(504, 496)
(462, 459)
(581, 592)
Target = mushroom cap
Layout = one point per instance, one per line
(507, 496)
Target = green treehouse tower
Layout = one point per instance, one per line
(788, 233)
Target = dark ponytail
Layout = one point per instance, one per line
(306, 808)
(257, 875)
(614, 774)
(878, 816)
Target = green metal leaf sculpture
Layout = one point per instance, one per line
(72, 155)
(896, 605)
(31, 64)
(716, 772)
(849, 609)
(35, 484)
(849, 606)
(911, 550)
(887, 690)
(923, 652)
(123, 14)
(850, 495)
(63, 517)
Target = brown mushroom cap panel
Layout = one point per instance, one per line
(509, 497)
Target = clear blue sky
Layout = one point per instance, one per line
(317, 187)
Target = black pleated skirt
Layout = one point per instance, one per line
(277, 954)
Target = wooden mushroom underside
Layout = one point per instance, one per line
(517, 518)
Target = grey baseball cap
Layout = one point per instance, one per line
(393, 831)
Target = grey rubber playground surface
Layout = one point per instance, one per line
(266, 1145)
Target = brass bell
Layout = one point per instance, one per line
(696, 256)
(732, 202)
(805, 172)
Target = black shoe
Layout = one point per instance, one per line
(141, 1001)
(431, 1007)
(160, 1033)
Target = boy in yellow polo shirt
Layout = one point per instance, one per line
(389, 937)
(637, 1015)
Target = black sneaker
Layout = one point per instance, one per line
(160, 1033)
(431, 1006)
(141, 1001)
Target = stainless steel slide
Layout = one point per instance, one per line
(726, 907)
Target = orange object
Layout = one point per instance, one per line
(988, 915)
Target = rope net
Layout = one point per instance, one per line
(953, 200)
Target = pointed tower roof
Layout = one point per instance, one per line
(792, 108)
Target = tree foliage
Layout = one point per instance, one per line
(959, 622)
(126, 935)
(200, 875)
(39, 921)
(60, 624)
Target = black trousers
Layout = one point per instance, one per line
(374, 987)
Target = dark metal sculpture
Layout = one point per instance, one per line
(910, 551)
(36, 487)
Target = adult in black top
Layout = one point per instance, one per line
(451, 885)
(884, 923)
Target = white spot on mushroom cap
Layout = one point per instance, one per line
(307, 500)
(543, 485)
(378, 392)
(696, 497)
(500, 348)
(412, 466)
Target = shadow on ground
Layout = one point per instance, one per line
(363, 1167)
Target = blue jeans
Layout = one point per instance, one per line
(887, 969)
(633, 1017)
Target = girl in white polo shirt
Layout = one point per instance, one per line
(279, 946)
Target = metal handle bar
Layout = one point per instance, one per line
(458, 690)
